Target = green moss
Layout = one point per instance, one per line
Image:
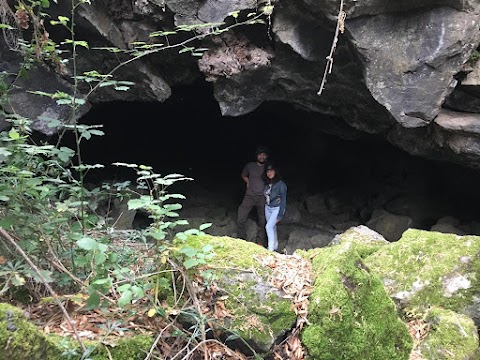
(417, 267)
(366, 241)
(21, 340)
(227, 250)
(350, 314)
(258, 312)
(451, 336)
(130, 348)
(475, 56)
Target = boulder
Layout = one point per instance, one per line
(391, 226)
(316, 204)
(450, 336)
(258, 311)
(426, 269)
(447, 229)
(21, 340)
(350, 314)
(308, 238)
(292, 213)
(365, 240)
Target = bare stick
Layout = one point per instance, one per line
(7, 237)
(155, 343)
(329, 64)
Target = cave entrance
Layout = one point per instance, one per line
(333, 183)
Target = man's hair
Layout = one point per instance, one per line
(261, 149)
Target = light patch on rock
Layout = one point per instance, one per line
(417, 285)
(388, 282)
(402, 295)
(455, 283)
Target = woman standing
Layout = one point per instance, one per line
(275, 203)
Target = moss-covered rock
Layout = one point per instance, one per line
(350, 314)
(257, 311)
(425, 269)
(21, 340)
(129, 348)
(366, 241)
(451, 336)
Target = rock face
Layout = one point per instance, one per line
(397, 64)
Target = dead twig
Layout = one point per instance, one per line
(339, 29)
(52, 292)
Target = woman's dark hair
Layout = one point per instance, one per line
(277, 176)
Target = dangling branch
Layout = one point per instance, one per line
(11, 33)
(340, 29)
(52, 292)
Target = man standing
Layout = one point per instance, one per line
(253, 175)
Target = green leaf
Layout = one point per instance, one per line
(232, 337)
(45, 4)
(188, 251)
(207, 248)
(87, 243)
(186, 49)
(181, 222)
(17, 280)
(122, 88)
(204, 226)
(65, 154)
(96, 132)
(102, 281)
(93, 301)
(13, 134)
(190, 263)
(124, 287)
(158, 234)
(6, 222)
(46, 274)
(4, 152)
(181, 236)
(5, 26)
(161, 311)
(125, 298)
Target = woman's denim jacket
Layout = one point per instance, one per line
(278, 197)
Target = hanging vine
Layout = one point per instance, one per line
(342, 15)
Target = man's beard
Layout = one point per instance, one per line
(261, 161)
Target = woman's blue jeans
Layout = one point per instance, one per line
(271, 214)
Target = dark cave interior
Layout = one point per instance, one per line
(187, 134)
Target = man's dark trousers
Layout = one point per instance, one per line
(248, 203)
